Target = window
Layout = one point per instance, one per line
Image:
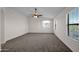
(46, 24)
(73, 23)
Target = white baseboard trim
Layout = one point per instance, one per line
(40, 33)
(13, 38)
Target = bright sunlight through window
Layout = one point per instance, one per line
(46, 24)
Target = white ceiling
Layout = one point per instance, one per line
(49, 12)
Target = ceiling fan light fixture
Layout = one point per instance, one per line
(36, 14)
(35, 17)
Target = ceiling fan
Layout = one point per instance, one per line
(36, 14)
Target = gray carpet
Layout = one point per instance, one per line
(35, 43)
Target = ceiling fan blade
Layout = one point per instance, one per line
(40, 15)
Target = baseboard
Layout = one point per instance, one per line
(25, 34)
(39, 33)
(19, 36)
(14, 38)
(3, 42)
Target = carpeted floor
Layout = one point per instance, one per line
(35, 43)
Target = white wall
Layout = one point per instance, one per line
(15, 24)
(36, 25)
(2, 26)
(0, 29)
(61, 30)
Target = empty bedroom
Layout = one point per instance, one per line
(39, 29)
